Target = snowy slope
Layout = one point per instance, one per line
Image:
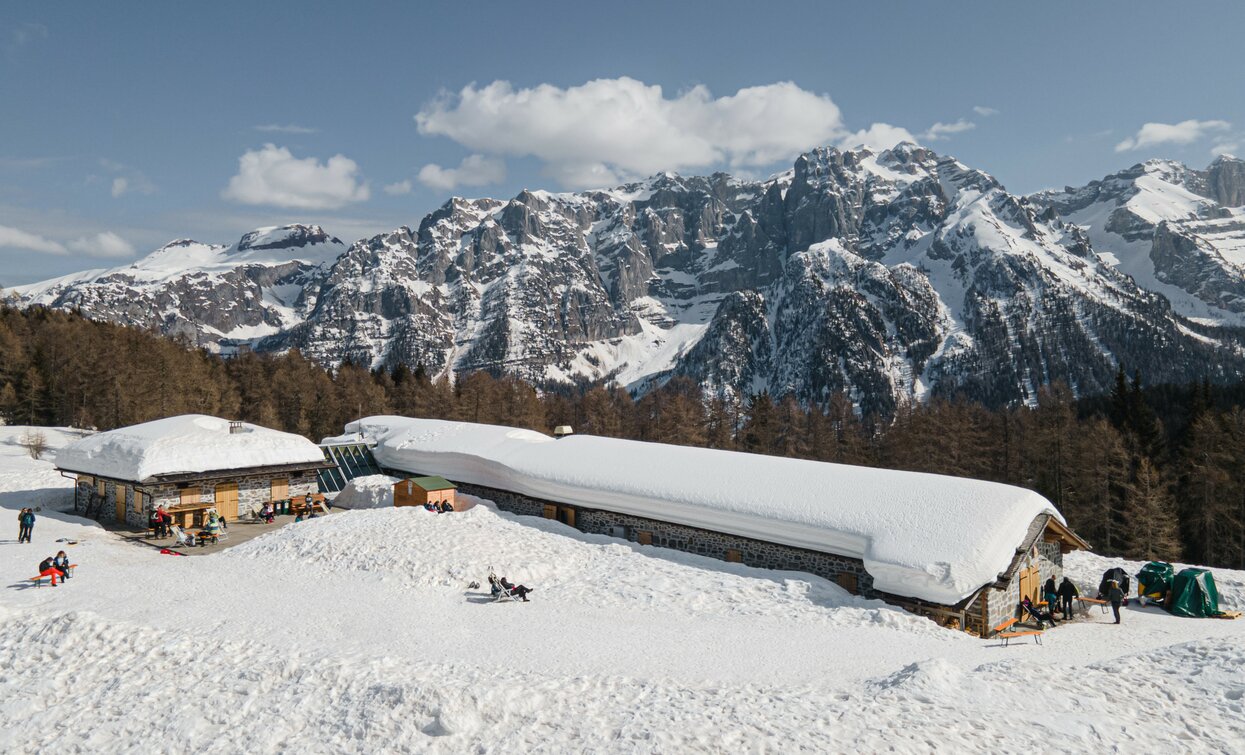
(931, 537)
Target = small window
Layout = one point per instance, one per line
(99, 487)
(734, 556)
(644, 537)
(847, 582)
(551, 511)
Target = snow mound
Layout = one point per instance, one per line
(926, 536)
(564, 565)
(372, 491)
(188, 443)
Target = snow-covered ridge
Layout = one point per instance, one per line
(188, 443)
(924, 536)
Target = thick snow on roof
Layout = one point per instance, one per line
(189, 443)
(924, 536)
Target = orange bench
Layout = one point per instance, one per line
(48, 576)
(1095, 601)
(1002, 633)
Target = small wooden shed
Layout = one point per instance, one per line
(419, 491)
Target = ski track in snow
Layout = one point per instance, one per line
(356, 633)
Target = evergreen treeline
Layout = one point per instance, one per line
(1146, 474)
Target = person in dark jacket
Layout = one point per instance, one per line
(1116, 596)
(518, 591)
(61, 564)
(48, 569)
(25, 525)
(1067, 592)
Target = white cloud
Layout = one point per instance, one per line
(1185, 132)
(401, 187)
(16, 238)
(273, 176)
(1226, 148)
(127, 180)
(276, 128)
(106, 244)
(941, 130)
(474, 170)
(878, 137)
(611, 129)
(984, 112)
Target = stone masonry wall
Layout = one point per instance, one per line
(253, 491)
(690, 539)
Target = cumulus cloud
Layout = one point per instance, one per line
(106, 244)
(16, 238)
(474, 170)
(940, 130)
(119, 186)
(273, 176)
(401, 187)
(1185, 132)
(277, 128)
(611, 129)
(878, 137)
(984, 112)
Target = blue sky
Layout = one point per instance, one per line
(125, 125)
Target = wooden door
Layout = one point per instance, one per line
(1030, 584)
(227, 500)
(280, 490)
(566, 516)
(120, 502)
(550, 511)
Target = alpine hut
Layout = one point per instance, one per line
(188, 464)
(960, 551)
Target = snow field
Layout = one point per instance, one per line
(356, 633)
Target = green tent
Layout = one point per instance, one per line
(1194, 594)
(1154, 580)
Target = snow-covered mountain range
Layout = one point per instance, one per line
(887, 275)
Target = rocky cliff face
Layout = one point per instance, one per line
(886, 276)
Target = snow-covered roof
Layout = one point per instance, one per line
(923, 536)
(186, 444)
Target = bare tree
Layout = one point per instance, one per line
(35, 443)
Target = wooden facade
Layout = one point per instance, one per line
(420, 491)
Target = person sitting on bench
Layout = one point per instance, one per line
(61, 564)
(47, 568)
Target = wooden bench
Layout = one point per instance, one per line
(1094, 601)
(39, 579)
(1001, 632)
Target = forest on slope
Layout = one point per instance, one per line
(1145, 473)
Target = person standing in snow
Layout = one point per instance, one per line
(1116, 596)
(1051, 595)
(26, 525)
(1067, 591)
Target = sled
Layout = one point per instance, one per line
(1227, 615)
(168, 552)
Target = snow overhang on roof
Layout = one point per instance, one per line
(186, 446)
(923, 536)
